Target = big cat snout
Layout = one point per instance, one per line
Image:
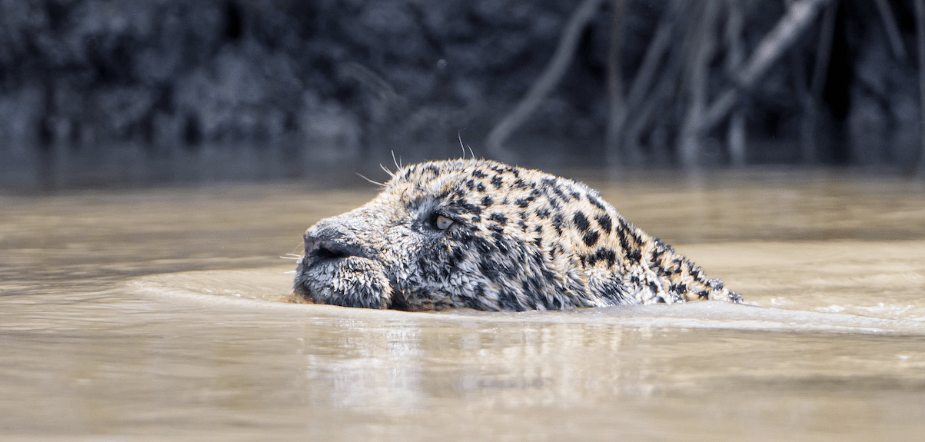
(328, 246)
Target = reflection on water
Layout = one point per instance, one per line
(156, 315)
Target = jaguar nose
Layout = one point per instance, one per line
(327, 245)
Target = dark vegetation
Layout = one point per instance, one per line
(615, 83)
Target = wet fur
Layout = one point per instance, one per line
(519, 240)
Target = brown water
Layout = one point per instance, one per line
(155, 315)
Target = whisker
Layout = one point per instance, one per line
(387, 170)
(464, 146)
(461, 145)
(397, 163)
(371, 181)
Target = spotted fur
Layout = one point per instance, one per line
(488, 236)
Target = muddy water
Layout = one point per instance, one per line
(155, 315)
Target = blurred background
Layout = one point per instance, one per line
(98, 93)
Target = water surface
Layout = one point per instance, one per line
(157, 315)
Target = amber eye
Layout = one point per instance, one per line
(443, 222)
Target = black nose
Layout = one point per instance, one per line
(328, 245)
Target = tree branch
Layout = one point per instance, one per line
(548, 79)
(892, 31)
(735, 54)
(920, 39)
(618, 107)
(799, 17)
(812, 94)
(639, 89)
(698, 76)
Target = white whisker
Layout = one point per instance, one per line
(387, 170)
(461, 145)
(371, 181)
(464, 146)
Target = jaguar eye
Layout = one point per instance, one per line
(443, 222)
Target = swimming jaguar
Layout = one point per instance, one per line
(472, 233)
